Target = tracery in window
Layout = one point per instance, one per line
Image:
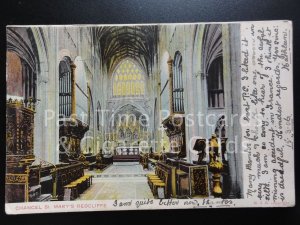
(128, 80)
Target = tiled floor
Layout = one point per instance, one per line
(121, 181)
(125, 168)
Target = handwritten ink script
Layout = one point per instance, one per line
(267, 112)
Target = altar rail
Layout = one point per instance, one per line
(127, 150)
(127, 154)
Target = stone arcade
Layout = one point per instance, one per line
(122, 112)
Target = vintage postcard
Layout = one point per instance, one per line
(149, 116)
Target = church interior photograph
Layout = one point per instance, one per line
(123, 112)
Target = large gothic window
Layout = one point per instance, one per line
(177, 84)
(128, 80)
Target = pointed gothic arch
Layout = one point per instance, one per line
(22, 58)
(128, 80)
(212, 64)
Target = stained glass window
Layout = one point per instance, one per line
(128, 80)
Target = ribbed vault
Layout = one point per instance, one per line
(119, 42)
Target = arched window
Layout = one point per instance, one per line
(65, 84)
(177, 84)
(215, 84)
(128, 80)
(212, 64)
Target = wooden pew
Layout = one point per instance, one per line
(164, 177)
(71, 177)
(27, 186)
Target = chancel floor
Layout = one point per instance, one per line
(120, 181)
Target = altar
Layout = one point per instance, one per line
(127, 154)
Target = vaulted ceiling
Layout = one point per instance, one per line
(119, 42)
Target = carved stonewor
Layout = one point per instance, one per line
(19, 149)
(71, 131)
(216, 166)
(19, 129)
(175, 129)
(199, 181)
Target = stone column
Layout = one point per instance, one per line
(232, 87)
(170, 67)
